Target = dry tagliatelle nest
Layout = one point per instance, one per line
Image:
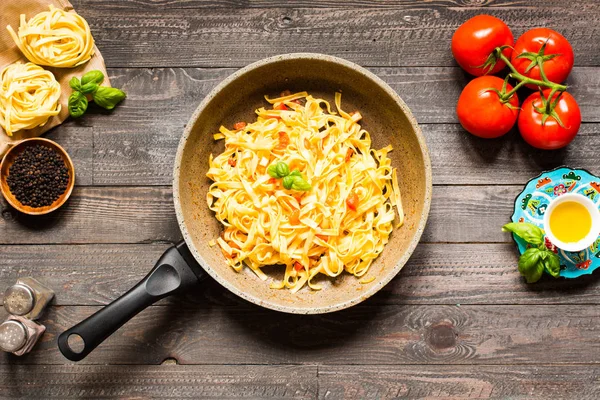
(54, 38)
(29, 96)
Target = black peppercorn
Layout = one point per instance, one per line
(38, 176)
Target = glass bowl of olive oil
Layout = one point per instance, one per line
(572, 222)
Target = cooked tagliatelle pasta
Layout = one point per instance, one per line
(55, 38)
(340, 220)
(28, 97)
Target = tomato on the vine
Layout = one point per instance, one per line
(475, 40)
(549, 47)
(549, 131)
(481, 111)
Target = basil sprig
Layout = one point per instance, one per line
(534, 260)
(105, 97)
(291, 180)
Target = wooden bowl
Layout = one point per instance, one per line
(9, 159)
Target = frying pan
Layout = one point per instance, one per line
(385, 116)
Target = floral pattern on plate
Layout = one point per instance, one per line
(532, 202)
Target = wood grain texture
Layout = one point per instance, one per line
(409, 334)
(164, 382)
(233, 37)
(170, 95)
(78, 141)
(399, 4)
(145, 155)
(457, 322)
(98, 215)
(300, 382)
(146, 214)
(137, 144)
(459, 382)
(435, 274)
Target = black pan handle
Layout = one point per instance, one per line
(175, 271)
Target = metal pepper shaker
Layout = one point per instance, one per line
(18, 335)
(27, 298)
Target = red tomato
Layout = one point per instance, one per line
(476, 39)
(352, 201)
(480, 110)
(239, 125)
(298, 266)
(295, 217)
(284, 140)
(549, 135)
(557, 68)
(349, 154)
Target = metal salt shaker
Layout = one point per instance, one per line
(27, 298)
(18, 335)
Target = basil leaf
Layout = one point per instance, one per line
(272, 171)
(526, 231)
(299, 183)
(529, 258)
(75, 83)
(278, 170)
(89, 88)
(95, 76)
(108, 97)
(77, 105)
(551, 263)
(282, 169)
(535, 273)
(288, 181)
(295, 173)
(531, 265)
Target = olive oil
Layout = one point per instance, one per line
(570, 222)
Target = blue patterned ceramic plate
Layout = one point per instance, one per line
(531, 205)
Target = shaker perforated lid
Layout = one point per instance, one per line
(13, 336)
(18, 299)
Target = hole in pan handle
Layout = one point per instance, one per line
(175, 271)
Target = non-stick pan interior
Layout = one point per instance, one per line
(385, 116)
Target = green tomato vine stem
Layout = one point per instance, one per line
(524, 80)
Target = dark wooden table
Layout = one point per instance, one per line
(458, 321)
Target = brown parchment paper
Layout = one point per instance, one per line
(10, 11)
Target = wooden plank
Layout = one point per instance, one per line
(348, 382)
(168, 96)
(137, 144)
(418, 382)
(411, 334)
(98, 215)
(435, 274)
(399, 4)
(471, 214)
(233, 37)
(82, 274)
(458, 158)
(145, 156)
(78, 141)
(164, 382)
